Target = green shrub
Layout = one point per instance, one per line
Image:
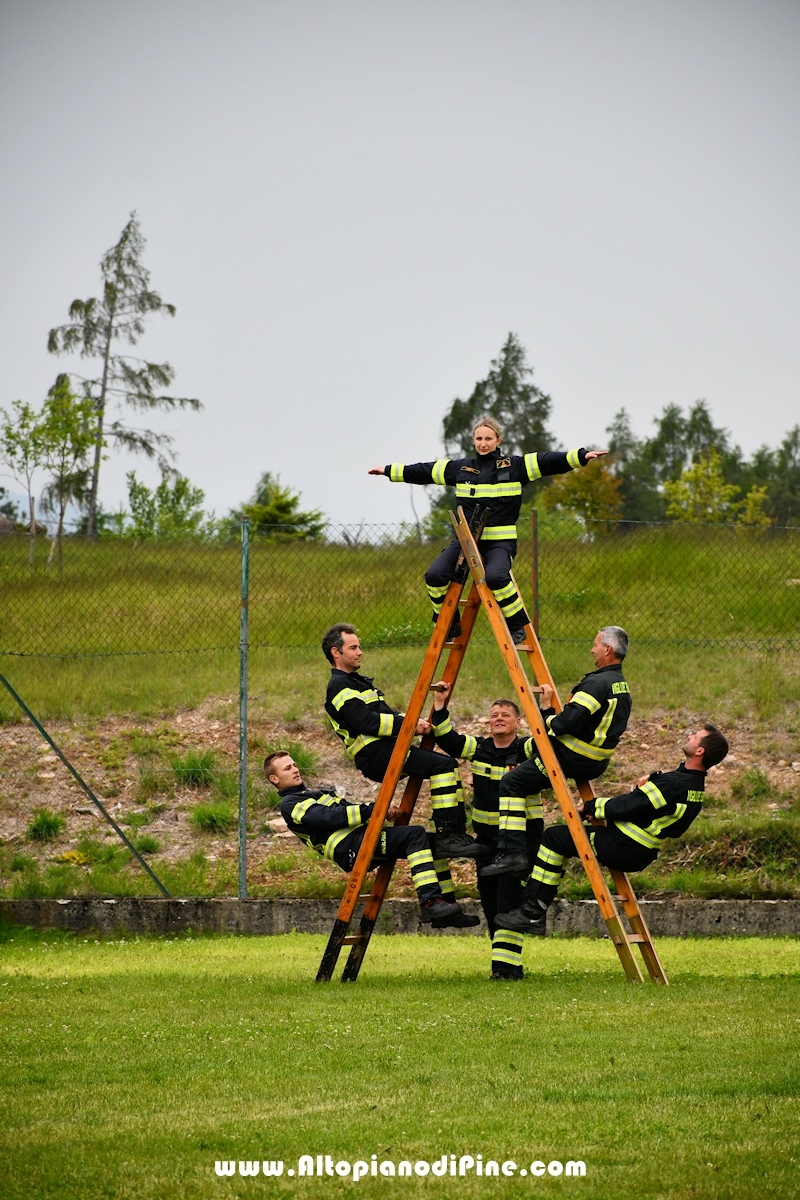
(154, 781)
(147, 844)
(213, 818)
(195, 769)
(22, 862)
(751, 784)
(137, 819)
(45, 825)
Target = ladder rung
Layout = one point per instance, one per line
(637, 937)
(354, 940)
(365, 896)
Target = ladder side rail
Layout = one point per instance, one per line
(630, 905)
(386, 790)
(616, 930)
(384, 875)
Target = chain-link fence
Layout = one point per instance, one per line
(130, 652)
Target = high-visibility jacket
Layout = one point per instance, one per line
(489, 764)
(592, 721)
(492, 479)
(358, 711)
(322, 820)
(663, 807)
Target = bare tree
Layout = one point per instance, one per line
(95, 328)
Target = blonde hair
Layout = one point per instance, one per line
(490, 423)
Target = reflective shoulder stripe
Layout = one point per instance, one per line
(499, 533)
(300, 809)
(369, 697)
(573, 458)
(529, 747)
(596, 753)
(385, 725)
(532, 466)
(654, 794)
(396, 472)
(438, 470)
(586, 700)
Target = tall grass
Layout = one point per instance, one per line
(713, 614)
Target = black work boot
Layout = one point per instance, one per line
(461, 920)
(505, 862)
(453, 841)
(531, 918)
(439, 909)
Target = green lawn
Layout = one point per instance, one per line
(130, 1067)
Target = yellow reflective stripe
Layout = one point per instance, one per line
(638, 834)
(396, 472)
(597, 753)
(372, 696)
(511, 607)
(334, 840)
(385, 725)
(551, 857)
(586, 700)
(602, 729)
(353, 815)
(438, 470)
(542, 876)
(489, 491)
(600, 806)
(470, 747)
(489, 772)
(532, 466)
(574, 458)
(446, 726)
(504, 592)
(352, 745)
(509, 957)
(419, 857)
(499, 533)
(533, 808)
(485, 818)
(654, 794)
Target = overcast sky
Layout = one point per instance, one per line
(352, 203)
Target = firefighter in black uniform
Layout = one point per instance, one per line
(583, 736)
(495, 479)
(491, 758)
(631, 828)
(359, 714)
(335, 829)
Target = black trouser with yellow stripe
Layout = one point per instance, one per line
(497, 559)
(557, 846)
(502, 893)
(430, 877)
(529, 779)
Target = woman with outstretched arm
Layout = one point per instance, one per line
(497, 480)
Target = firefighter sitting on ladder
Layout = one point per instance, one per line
(633, 828)
(495, 479)
(491, 758)
(583, 736)
(360, 716)
(335, 829)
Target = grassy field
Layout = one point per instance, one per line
(714, 617)
(130, 1068)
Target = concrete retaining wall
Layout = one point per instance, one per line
(666, 918)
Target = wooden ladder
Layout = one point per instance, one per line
(480, 595)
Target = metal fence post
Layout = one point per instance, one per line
(243, 648)
(535, 569)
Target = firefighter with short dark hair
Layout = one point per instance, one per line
(360, 716)
(495, 479)
(631, 829)
(583, 737)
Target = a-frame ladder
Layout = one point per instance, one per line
(480, 595)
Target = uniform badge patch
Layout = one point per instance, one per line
(502, 462)
(472, 470)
